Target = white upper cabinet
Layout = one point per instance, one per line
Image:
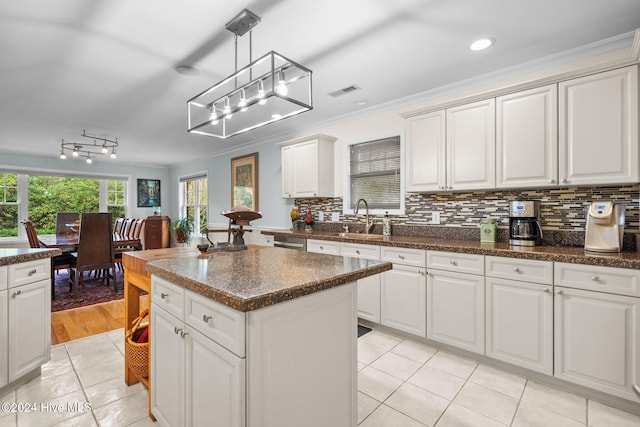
(527, 138)
(471, 146)
(426, 153)
(307, 167)
(598, 133)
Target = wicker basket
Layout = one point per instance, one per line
(137, 354)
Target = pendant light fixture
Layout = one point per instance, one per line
(268, 89)
(88, 150)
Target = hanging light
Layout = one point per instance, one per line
(88, 150)
(272, 76)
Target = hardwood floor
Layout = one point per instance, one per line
(68, 325)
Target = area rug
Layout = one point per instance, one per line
(94, 292)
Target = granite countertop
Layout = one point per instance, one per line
(17, 255)
(253, 279)
(570, 254)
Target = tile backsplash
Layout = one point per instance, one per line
(563, 210)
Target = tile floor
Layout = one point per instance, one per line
(400, 384)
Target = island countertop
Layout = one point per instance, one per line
(262, 276)
(16, 255)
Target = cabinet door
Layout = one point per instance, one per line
(287, 171)
(215, 385)
(471, 146)
(403, 299)
(426, 153)
(527, 138)
(305, 169)
(369, 298)
(456, 309)
(29, 327)
(519, 324)
(4, 353)
(323, 247)
(597, 341)
(599, 128)
(167, 368)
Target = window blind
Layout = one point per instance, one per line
(375, 173)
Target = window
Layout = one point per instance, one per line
(375, 175)
(8, 205)
(193, 200)
(40, 197)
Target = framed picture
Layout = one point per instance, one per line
(148, 193)
(244, 181)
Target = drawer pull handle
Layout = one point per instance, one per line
(516, 270)
(177, 330)
(322, 248)
(452, 262)
(32, 272)
(183, 334)
(206, 318)
(545, 290)
(595, 278)
(401, 256)
(558, 292)
(15, 294)
(358, 251)
(163, 295)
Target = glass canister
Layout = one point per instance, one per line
(488, 230)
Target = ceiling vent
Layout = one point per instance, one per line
(344, 91)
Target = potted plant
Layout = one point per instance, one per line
(183, 228)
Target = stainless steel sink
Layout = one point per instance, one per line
(359, 236)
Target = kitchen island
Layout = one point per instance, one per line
(263, 337)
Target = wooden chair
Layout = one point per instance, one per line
(117, 226)
(63, 218)
(95, 249)
(135, 227)
(60, 262)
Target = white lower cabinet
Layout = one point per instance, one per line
(4, 337)
(369, 287)
(597, 341)
(519, 323)
(404, 300)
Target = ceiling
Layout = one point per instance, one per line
(107, 66)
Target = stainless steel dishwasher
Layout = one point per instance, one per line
(290, 242)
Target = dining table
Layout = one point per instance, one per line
(70, 241)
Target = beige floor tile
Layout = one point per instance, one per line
(84, 420)
(533, 416)
(486, 401)
(124, 411)
(418, 403)
(43, 389)
(414, 351)
(437, 381)
(109, 368)
(361, 366)
(368, 353)
(145, 422)
(366, 405)
(111, 390)
(87, 346)
(501, 381)
(56, 367)
(8, 420)
(396, 365)
(377, 384)
(604, 416)
(388, 417)
(459, 416)
(452, 364)
(381, 340)
(56, 410)
(554, 400)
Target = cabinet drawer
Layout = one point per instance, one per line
(526, 270)
(29, 272)
(458, 262)
(323, 247)
(168, 296)
(3, 277)
(622, 281)
(404, 256)
(222, 324)
(358, 250)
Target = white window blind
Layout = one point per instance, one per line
(375, 173)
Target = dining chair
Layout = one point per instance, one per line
(135, 230)
(117, 226)
(61, 262)
(63, 218)
(95, 248)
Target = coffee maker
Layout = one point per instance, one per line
(605, 227)
(524, 223)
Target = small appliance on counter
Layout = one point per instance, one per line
(605, 227)
(524, 223)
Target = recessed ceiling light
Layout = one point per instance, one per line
(361, 102)
(482, 44)
(187, 70)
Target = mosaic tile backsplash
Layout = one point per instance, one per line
(563, 212)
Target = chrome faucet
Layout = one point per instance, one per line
(367, 225)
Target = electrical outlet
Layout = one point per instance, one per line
(321, 216)
(335, 216)
(435, 217)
